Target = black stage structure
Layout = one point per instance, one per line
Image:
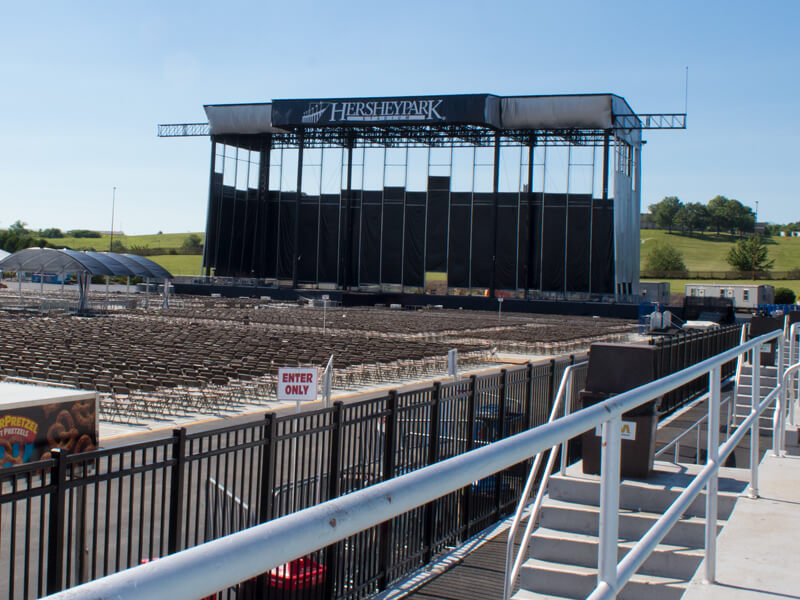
(533, 197)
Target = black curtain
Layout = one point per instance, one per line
(392, 251)
(458, 258)
(413, 249)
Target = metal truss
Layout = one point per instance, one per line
(377, 136)
(651, 121)
(183, 130)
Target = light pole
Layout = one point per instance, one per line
(113, 199)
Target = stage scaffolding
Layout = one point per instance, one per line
(459, 208)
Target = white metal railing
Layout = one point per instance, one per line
(205, 569)
(514, 563)
(675, 444)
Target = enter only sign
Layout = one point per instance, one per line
(297, 383)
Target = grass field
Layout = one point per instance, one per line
(163, 240)
(707, 252)
(180, 264)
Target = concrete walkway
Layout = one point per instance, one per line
(757, 549)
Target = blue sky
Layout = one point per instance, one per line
(85, 83)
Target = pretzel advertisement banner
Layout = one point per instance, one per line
(29, 434)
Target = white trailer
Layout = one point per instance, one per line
(744, 296)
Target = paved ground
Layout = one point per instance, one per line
(757, 548)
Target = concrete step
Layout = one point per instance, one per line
(580, 549)
(528, 595)
(576, 518)
(652, 495)
(572, 581)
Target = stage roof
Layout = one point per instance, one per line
(93, 263)
(555, 112)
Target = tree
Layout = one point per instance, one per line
(740, 218)
(718, 213)
(118, 246)
(193, 242)
(51, 232)
(665, 212)
(693, 217)
(665, 257)
(750, 254)
(18, 228)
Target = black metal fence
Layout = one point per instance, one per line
(74, 518)
(685, 349)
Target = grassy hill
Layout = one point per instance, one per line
(156, 240)
(177, 264)
(707, 252)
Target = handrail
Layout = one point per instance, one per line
(696, 425)
(513, 566)
(210, 567)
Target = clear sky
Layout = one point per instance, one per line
(84, 84)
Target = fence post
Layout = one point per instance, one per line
(385, 548)
(334, 491)
(551, 385)
(466, 514)
(501, 433)
(267, 472)
(429, 518)
(55, 548)
(529, 404)
(176, 490)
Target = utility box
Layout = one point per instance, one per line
(613, 369)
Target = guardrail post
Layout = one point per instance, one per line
(267, 472)
(429, 518)
(176, 490)
(779, 430)
(334, 491)
(385, 548)
(715, 384)
(609, 504)
(55, 537)
(754, 437)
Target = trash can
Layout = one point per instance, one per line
(301, 579)
(760, 326)
(613, 369)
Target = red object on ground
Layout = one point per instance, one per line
(302, 574)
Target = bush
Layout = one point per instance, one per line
(118, 246)
(664, 257)
(52, 232)
(193, 242)
(784, 296)
(84, 233)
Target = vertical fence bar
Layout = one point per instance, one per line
(334, 490)
(754, 438)
(429, 518)
(385, 548)
(55, 539)
(779, 428)
(470, 439)
(715, 383)
(266, 498)
(609, 504)
(501, 433)
(176, 490)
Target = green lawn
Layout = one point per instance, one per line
(163, 240)
(707, 252)
(180, 264)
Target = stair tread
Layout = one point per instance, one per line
(651, 486)
(528, 595)
(552, 534)
(565, 504)
(544, 565)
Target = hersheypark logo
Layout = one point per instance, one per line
(373, 110)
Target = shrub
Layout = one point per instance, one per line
(84, 233)
(664, 257)
(784, 296)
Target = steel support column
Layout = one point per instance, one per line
(495, 215)
(296, 249)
